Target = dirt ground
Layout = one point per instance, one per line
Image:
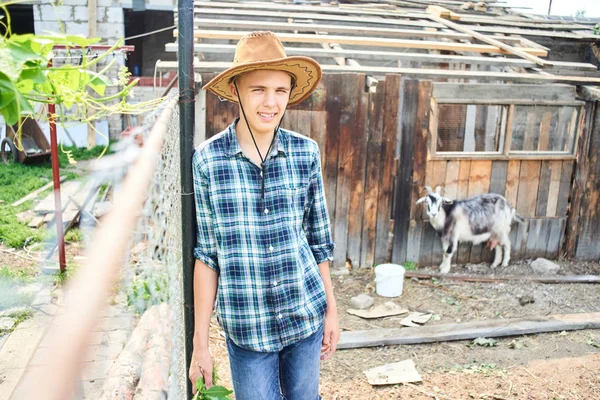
(542, 366)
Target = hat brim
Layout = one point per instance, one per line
(306, 70)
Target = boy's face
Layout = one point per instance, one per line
(264, 95)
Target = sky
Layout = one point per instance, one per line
(559, 7)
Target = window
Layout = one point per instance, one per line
(504, 131)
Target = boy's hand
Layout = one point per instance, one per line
(201, 365)
(331, 333)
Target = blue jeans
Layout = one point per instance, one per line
(290, 374)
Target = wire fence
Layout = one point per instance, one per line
(130, 283)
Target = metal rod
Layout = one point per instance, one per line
(56, 179)
(185, 39)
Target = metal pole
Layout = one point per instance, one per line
(56, 179)
(185, 9)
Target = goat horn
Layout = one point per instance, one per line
(428, 188)
(438, 189)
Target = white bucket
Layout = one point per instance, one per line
(389, 280)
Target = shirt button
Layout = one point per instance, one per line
(275, 283)
(266, 210)
(280, 316)
(270, 248)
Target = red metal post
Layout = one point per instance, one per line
(56, 179)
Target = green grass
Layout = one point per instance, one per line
(20, 316)
(74, 235)
(410, 266)
(17, 181)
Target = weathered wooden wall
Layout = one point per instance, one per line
(375, 150)
(357, 133)
(539, 189)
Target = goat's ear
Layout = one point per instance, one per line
(447, 201)
(438, 190)
(428, 188)
(422, 199)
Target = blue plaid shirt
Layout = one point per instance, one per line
(266, 251)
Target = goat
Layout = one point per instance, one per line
(485, 217)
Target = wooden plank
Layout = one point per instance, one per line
(506, 278)
(357, 185)
(543, 143)
(429, 237)
(333, 105)
(373, 174)
(486, 39)
(556, 232)
(583, 233)
(204, 23)
(565, 189)
(388, 152)
(529, 181)
(36, 192)
(413, 247)
(464, 249)
(469, 330)
(366, 41)
(553, 187)
(375, 55)
(402, 217)
(541, 245)
(421, 73)
(498, 177)
(519, 246)
(351, 86)
(544, 189)
(285, 15)
(452, 179)
(479, 177)
(512, 181)
(535, 228)
(531, 133)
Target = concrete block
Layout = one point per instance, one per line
(43, 27)
(37, 13)
(77, 28)
(80, 13)
(161, 3)
(362, 302)
(114, 15)
(543, 266)
(110, 30)
(75, 2)
(56, 13)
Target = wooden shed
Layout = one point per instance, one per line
(474, 98)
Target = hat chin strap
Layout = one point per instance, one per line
(263, 160)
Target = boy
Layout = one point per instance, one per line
(263, 232)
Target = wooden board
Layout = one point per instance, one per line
(357, 173)
(452, 179)
(479, 177)
(528, 188)
(543, 190)
(368, 41)
(36, 193)
(352, 84)
(565, 189)
(372, 177)
(333, 85)
(553, 187)
(544, 141)
(402, 205)
(535, 229)
(469, 330)
(513, 174)
(506, 278)
(521, 235)
(486, 91)
(556, 230)
(388, 151)
(464, 249)
(498, 177)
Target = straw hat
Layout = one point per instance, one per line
(263, 50)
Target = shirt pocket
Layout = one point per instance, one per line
(293, 201)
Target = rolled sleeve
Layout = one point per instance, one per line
(206, 245)
(317, 226)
